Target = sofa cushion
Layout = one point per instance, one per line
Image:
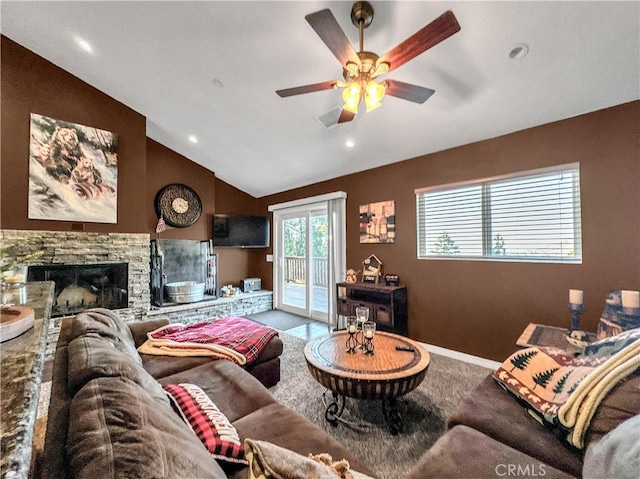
(92, 357)
(235, 391)
(106, 324)
(117, 430)
(494, 412)
(268, 461)
(286, 428)
(163, 366)
(620, 404)
(207, 422)
(464, 453)
(617, 454)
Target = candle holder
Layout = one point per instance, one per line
(369, 331)
(352, 329)
(362, 315)
(576, 309)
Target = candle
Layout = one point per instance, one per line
(368, 334)
(575, 296)
(630, 299)
(352, 328)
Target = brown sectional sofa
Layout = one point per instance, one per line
(109, 417)
(104, 392)
(492, 436)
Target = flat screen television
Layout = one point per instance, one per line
(241, 231)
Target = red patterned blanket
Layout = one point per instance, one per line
(237, 339)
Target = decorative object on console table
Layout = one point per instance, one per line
(391, 279)
(387, 304)
(351, 276)
(371, 269)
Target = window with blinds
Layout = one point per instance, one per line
(527, 216)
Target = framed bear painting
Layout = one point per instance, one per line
(73, 172)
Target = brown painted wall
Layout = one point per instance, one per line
(165, 166)
(235, 264)
(481, 307)
(31, 84)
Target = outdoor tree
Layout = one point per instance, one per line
(498, 246)
(445, 246)
(521, 361)
(295, 237)
(542, 378)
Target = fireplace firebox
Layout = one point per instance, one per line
(83, 286)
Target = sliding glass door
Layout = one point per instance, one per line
(309, 248)
(302, 245)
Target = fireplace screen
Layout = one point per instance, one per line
(83, 286)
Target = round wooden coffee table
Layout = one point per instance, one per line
(385, 376)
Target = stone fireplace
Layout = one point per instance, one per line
(82, 286)
(63, 248)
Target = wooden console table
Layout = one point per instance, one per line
(387, 304)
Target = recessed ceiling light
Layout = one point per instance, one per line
(218, 83)
(519, 51)
(350, 143)
(82, 43)
(193, 139)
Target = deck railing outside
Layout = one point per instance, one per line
(295, 270)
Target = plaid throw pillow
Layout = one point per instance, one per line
(207, 421)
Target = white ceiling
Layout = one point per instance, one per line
(160, 58)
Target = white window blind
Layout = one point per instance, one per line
(528, 216)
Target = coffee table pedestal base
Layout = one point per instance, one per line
(392, 415)
(333, 412)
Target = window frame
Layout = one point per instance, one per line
(486, 236)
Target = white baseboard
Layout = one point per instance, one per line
(469, 358)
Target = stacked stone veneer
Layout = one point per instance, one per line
(70, 247)
(241, 305)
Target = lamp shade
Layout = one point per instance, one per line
(351, 96)
(374, 92)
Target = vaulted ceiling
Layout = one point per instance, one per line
(210, 70)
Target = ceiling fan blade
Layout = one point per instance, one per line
(440, 29)
(407, 91)
(346, 116)
(328, 29)
(299, 90)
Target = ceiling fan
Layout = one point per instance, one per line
(361, 69)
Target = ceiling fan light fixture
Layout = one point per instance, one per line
(351, 96)
(372, 105)
(374, 92)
